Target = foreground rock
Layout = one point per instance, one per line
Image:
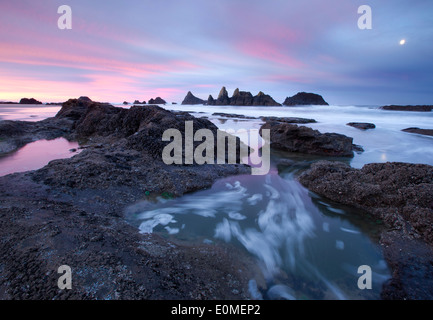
(72, 212)
(304, 98)
(399, 194)
(418, 108)
(190, 99)
(242, 98)
(293, 138)
(362, 125)
(426, 132)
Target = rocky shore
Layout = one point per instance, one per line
(417, 108)
(400, 195)
(71, 212)
(286, 136)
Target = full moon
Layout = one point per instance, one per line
(402, 42)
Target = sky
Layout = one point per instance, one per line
(141, 49)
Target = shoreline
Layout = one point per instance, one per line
(45, 199)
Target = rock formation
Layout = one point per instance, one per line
(293, 138)
(242, 98)
(85, 99)
(419, 108)
(262, 99)
(427, 132)
(361, 125)
(190, 99)
(157, 100)
(304, 98)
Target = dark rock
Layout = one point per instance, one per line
(73, 109)
(210, 101)
(362, 125)
(223, 97)
(293, 138)
(418, 108)
(232, 115)
(222, 100)
(427, 132)
(85, 99)
(400, 195)
(77, 205)
(304, 98)
(288, 120)
(241, 98)
(157, 100)
(190, 99)
(29, 101)
(125, 103)
(262, 99)
(137, 102)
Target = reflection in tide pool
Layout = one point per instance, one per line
(306, 248)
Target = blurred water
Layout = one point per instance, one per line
(306, 247)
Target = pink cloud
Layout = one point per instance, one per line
(269, 51)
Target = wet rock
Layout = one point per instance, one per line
(288, 120)
(418, 108)
(157, 100)
(304, 98)
(242, 98)
(362, 125)
(293, 138)
(190, 99)
(427, 132)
